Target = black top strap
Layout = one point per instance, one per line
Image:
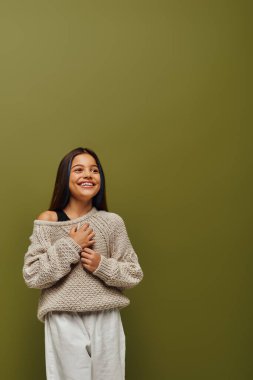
(62, 216)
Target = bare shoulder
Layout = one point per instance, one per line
(50, 216)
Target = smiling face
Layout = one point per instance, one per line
(84, 179)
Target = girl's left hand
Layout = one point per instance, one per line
(90, 259)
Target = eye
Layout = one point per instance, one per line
(78, 170)
(95, 170)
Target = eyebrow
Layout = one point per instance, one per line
(82, 165)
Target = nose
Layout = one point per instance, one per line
(86, 174)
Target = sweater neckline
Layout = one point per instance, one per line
(58, 223)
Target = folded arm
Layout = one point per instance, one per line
(46, 263)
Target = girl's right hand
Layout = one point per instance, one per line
(83, 236)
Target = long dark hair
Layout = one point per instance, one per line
(61, 192)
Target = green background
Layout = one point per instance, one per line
(159, 90)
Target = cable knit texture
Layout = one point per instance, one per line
(52, 264)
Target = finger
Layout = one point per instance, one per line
(85, 226)
(86, 254)
(86, 261)
(88, 267)
(91, 235)
(88, 250)
(91, 242)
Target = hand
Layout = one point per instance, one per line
(83, 236)
(90, 259)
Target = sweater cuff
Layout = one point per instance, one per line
(103, 270)
(74, 246)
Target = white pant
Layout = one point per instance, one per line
(84, 345)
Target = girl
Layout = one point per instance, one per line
(81, 258)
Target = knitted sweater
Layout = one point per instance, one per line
(52, 264)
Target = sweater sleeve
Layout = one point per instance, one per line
(46, 263)
(122, 268)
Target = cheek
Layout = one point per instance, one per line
(73, 182)
(74, 178)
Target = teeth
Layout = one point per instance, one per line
(86, 184)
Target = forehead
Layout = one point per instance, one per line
(84, 159)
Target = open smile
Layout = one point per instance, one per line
(87, 184)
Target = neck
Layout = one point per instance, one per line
(76, 208)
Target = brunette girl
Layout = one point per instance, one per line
(81, 258)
